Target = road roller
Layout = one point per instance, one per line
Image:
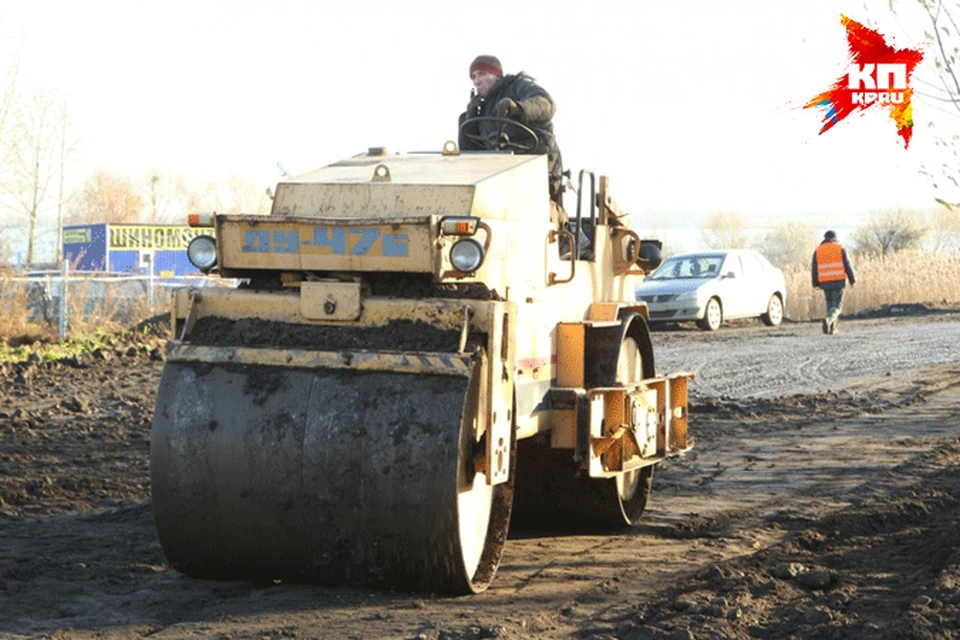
(417, 346)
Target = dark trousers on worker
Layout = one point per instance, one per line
(833, 295)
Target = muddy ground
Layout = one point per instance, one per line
(822, 500)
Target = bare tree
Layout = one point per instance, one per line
(942, 32)
(8, 90)
(8, 86)
(237, 194)
(33, 166)
(944, 232)
(788, 243)
(106, 196)
(68, 149)
(6, 250)
(8, 93)
(168, 196)
(890, 232)
(937, 84)
(725, 231)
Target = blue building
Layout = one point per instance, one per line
(160, 250)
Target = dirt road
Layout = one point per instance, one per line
(821, 500)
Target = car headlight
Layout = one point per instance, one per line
(202, 253)
(466, 255)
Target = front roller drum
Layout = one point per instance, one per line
(330, 476)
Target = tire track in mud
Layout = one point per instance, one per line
(827, 452)
(749, 360)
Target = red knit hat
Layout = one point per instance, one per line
(489, 64)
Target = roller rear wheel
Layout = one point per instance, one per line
(552, 488)
(330, 476)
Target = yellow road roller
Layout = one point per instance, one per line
(419, 346)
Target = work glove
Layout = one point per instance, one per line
(507, 108)
(473, 107)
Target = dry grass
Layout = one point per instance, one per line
(15, 321)
(903, 278)
(93, 306)
(106, 308)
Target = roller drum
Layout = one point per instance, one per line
(330, 476)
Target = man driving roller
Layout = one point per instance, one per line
(515, 97)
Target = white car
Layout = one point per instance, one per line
(712, 286)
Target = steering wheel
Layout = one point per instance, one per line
(503, 141)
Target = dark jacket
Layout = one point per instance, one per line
(847, 267)
(538, 109)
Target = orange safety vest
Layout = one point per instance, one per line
(830, 263)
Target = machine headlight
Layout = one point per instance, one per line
(202, 253)
(466, 255)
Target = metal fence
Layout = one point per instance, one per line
(59, 298)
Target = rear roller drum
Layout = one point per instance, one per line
(552, 489)
(554, 493)
(329, 476)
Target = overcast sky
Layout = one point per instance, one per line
(689, 107)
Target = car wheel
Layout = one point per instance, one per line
(774, 314)
(712, 316)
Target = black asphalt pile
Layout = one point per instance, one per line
(398, 335)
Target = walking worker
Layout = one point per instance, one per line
(514, 97)
(830, 271)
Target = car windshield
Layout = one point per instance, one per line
(694, 266)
